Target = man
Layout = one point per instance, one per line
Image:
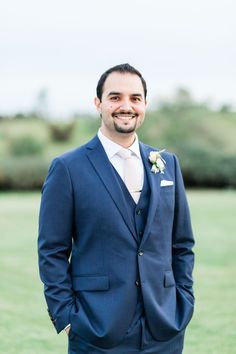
(115, 239)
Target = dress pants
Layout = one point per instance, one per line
(138, 339)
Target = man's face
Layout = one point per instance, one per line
(123, 104)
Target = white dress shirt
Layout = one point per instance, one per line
(112, 149)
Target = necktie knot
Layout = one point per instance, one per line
(124, 154)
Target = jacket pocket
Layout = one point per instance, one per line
(90, 283)
(169, 279)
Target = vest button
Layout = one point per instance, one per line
(137, 283)
(138, 211)
(140, 253)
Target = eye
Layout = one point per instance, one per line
(136, 99)
(114, 98)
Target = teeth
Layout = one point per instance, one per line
(124, 116)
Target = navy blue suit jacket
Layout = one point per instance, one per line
(88, 249)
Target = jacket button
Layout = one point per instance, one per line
(138, 211)
(137, 283)
(140, 253)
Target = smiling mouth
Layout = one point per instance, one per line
(124, 116)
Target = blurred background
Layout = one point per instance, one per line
(52, 55)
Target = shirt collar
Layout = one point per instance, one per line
(112, 148)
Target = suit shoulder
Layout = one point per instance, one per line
(71, 156)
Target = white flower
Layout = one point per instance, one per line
(154, 155)
(158, 163)
(154, 169)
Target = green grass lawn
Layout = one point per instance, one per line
(25, 326)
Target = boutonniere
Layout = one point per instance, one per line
(157, 161)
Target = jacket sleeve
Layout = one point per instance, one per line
(182, 238)
(55, 242)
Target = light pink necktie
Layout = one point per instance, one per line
(132, 177)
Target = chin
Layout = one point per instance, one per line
(125, 129)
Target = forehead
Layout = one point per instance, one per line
(125, 83)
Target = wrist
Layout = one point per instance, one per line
(67, 328)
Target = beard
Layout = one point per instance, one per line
(124, 129)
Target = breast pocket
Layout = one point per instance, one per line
(167, 198)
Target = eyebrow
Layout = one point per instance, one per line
(112, 93)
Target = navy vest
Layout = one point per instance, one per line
(139, 214)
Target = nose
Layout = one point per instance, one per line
(125, 105)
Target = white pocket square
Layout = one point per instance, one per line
(165, 183)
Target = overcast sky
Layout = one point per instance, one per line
(64, 47)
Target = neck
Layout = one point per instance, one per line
(123, 139)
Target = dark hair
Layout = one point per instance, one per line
(121, 68)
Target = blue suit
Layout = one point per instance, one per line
(91, 258)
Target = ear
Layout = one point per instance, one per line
(97, 103)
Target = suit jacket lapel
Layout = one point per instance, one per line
(154, 182)
(102, 165)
